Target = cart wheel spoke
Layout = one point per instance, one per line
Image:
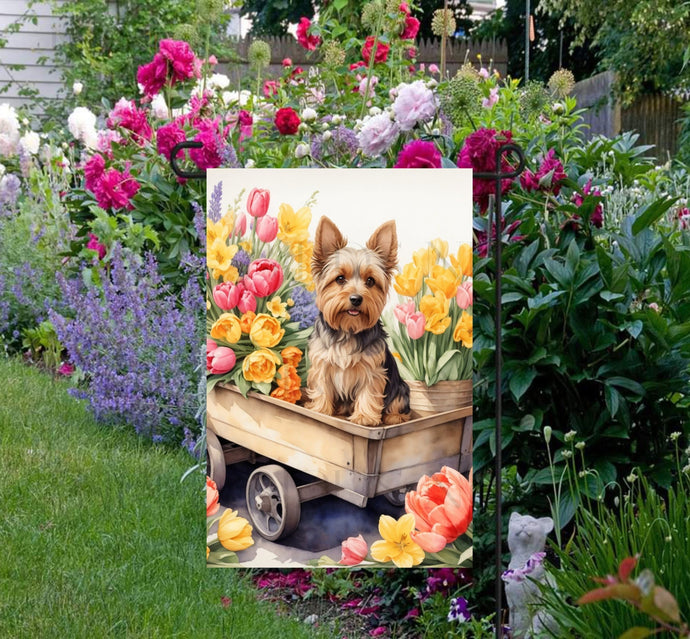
(273, 502)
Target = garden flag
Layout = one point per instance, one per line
(339, 366)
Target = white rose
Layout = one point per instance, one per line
(77, 88)
(30, 142)
(308, 115)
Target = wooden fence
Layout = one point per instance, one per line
(654, 117)
(428, 52)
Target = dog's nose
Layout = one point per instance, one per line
(355, 300)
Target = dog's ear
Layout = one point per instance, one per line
(384, 242)
(327, 240)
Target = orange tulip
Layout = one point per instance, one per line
(442, 504)
(354, 551)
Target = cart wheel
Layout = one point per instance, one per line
(273, 502)
(216, 459)
(397, 497)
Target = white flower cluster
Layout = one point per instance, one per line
(9, 130)
(82, 125)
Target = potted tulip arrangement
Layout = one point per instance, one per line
(432, 327)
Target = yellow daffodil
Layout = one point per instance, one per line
(441, 247)
(409, 281)
(293, 226)
(234, 533)
(397, 545)
(435, 310)
(219, 259)
(227, 328)
(444, 280)
(302, 274)
(302, 252)
(463, 330)
(425, 259)
(462, 263)
(246, 246)
(219, 230)
(278, 308)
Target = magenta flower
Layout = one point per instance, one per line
(116, 189)
(167, 137)
(479, 154)
(126, 116)
(209, 155)
(684, 217)
(93, 171)
(227, 295)
(482, 244)
(263, 277)
(547, 178)
(94, 245)
(419, 154)
(65, 369)
(597, 217)
(174, 62)
(309, 42)
(267, 228)
(411, 28)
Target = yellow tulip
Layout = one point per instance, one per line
(265, 331)
(441, 247)
(425, 259)
(435, 310)
(397, 545)
(260, 366)
(462, 263)
(227, 328)
(293, 226)
(409, 282)
(463, 330)
(444, 280)
(234, 533)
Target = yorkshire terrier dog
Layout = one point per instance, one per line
(352, 371)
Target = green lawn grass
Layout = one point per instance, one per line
(98, 537)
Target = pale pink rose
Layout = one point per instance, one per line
(226, 295)
(464, 295)
(403, 311)
(433, 68)
(354, 551)
(415, 325)
(247, 302)
(220, 360)
(258, 201)
(267, 228)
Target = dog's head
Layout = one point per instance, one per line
(352, 284)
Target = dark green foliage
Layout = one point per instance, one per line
(273, 18)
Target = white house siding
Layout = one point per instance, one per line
(27, 47)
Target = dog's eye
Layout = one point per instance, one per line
(340, 279)
(370, 282)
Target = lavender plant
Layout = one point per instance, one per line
(138, 346)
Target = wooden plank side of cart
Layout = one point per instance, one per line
(362, 461)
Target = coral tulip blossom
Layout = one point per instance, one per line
(263, 277)
(258, 201)
(220, 360)
(464, 295)
(234, 533)
(267, 228)
(442, 504)
(354, 551)
(212, 504)
(226, 295)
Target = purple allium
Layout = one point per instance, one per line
(138, 345)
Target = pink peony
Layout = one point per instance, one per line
(597, 217)
(258, 201)
(381, 54)
(287, 62)
(415, 325)
(220, 360)
(270, 88)
(94, 245)
(116, 189)
(479, 154)
(126, 116)
(209, 155)
(419, 154)
(287, 121)
(263, 277)
(415, 104)
(246, 123)
(175, 61)
(93, 171)
(547, 178)
(463, 297)
(487, 103)
(247, 302)
(377, 134)
(267, 228)
(309, 42)
(227, 295)
(684, 217)
(167, 137)
(411, 28)
(354, 551)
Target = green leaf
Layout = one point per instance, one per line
(650, 213)
(520, 381)
(638, 632)
(628, 384)
(612, 398)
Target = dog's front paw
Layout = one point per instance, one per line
(395, 418)
(365, 420)
(320, 406)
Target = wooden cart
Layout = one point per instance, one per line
(353, 462)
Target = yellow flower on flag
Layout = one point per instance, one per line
(425, 259)
(302, 252)
(444, 280)
(397, 545)
(234, 533)
(219, 258)
(265, 331)
(441, 247)
(227, 328)
(463, 330)
(278, 308)
(409, 281)
(435, 310)
(219, 230)
(462, 263)
(260, 366)
(293, 226)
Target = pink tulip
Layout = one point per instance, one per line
(403, 311)
(226, 295)
(415, 325)
(247, 302)
(257, 202)
(354, 551)
(210, 347)
(263, 277)
(267, 228)
(221, 360)
(240, 225)
(464, 295)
